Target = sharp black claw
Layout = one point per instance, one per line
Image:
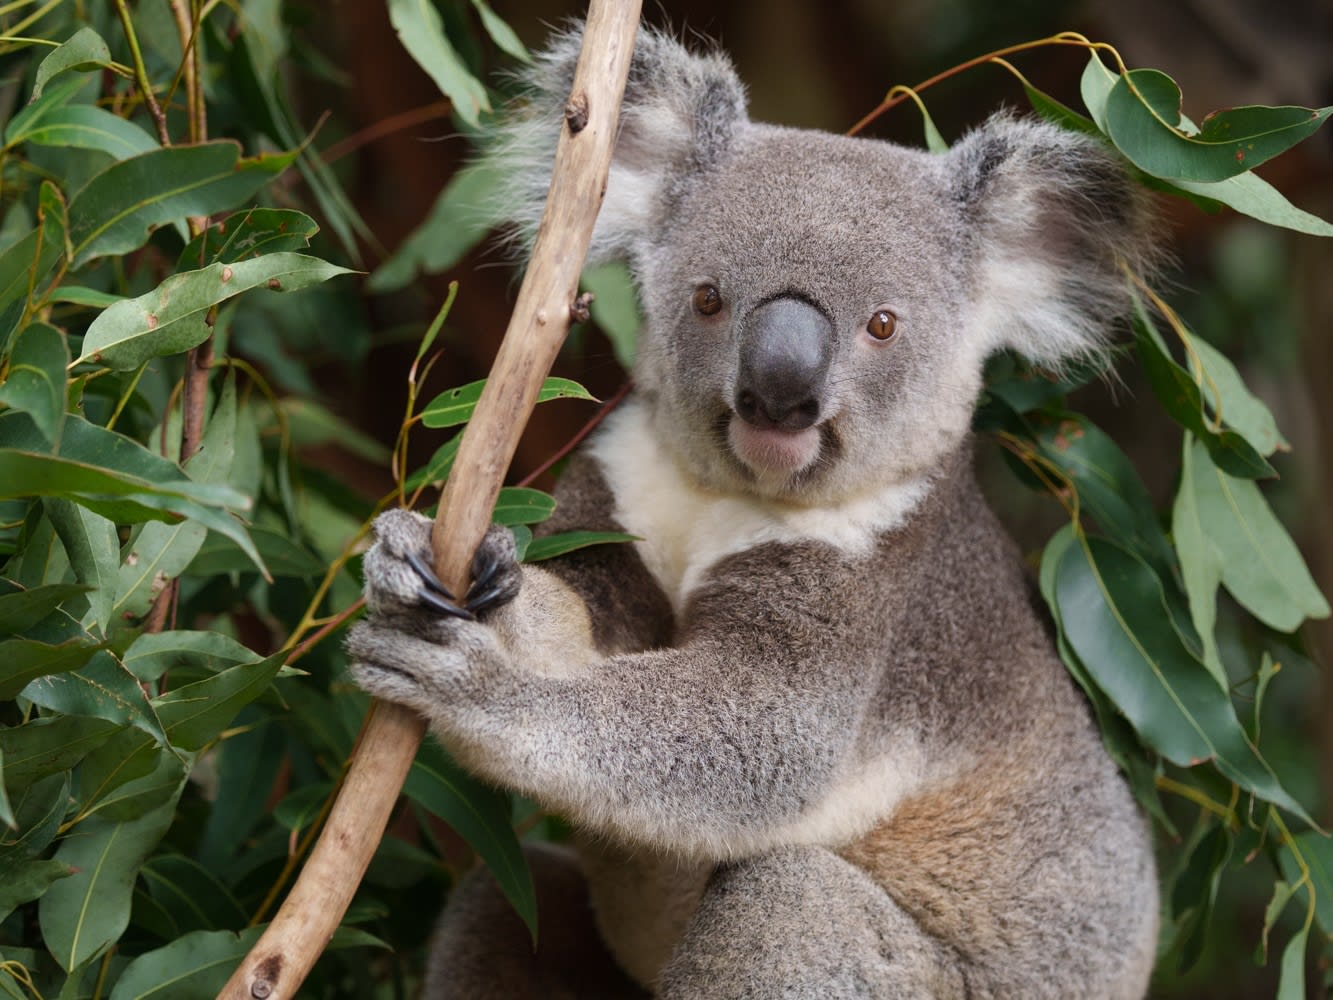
(484, 568)
(428, 576)
(444, 605)
(478, 602)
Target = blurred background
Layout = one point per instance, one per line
(1265, 296)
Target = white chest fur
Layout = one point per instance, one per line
(685, 529)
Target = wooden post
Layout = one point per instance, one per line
(283, 956)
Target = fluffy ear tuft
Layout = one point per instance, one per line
(1057, 220)
(679, 114)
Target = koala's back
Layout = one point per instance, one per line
(977, 793)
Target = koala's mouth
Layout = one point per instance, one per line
(771, 453)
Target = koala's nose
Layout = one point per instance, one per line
(786, 347)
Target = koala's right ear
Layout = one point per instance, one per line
(678, 117)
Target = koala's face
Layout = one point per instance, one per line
(818, 308)
(805, 314)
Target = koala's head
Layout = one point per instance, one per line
(818, 309)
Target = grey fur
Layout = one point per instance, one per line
(812, 729)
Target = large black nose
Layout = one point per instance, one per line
(786, 346)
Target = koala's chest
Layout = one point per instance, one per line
(685, 529)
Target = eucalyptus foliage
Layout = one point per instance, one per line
(173, 716)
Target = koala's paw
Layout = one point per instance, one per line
(399, 576)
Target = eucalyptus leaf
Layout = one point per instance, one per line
(1115, 618)
(194, 967)
(1143, 119)
(23, 608)
(517, 505)
(248, 234)
(1261, 566)
(1200, 567)
(154, 653)
(480, 815)
(24, 660)
(103, 689)
(550, 546)
(27, 880)
(500, 32)
(43, 747)
(421, 31)
(172, 318)
(193, 895)
(36, 380)
(118, 209)
(93, 549)
(467, 209)
(84, 51)
(454, 406)
(195, 714)
(85, 126)
(83, 914)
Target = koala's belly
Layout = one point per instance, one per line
(642, 900)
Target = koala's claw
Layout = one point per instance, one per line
(436, 594)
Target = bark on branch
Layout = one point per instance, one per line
(278, 963)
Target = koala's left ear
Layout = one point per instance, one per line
(680, 113)
(1055, 219)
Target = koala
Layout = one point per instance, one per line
(810, 729)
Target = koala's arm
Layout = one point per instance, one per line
(706, 747)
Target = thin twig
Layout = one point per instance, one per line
(602, 413)
(141, 75)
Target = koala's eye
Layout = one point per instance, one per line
(883, 325)
(707, 300)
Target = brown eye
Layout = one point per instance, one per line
(883, 325)
(707, 300)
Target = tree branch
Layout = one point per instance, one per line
(277, 965)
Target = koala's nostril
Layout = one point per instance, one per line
(747, 405)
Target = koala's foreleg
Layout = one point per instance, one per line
(706, 748)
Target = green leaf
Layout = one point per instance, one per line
(79, 296)
(93, 547)
(195, 714)
(1116, 620)
(22, 609)
(309, 423)
(480, 815)
(1179, 393)
(615, 308)
(519, 505)
(85, 51)
(25, 266)
(36, 381)
(454, 406)
(194, 967)
(154, 653)
(25, 881)
(551, 546)
(248, 234)
(1316, 853)
(1261, 566)
(103, 689)
(282, 556)
(84, 126)
(1253, 196)
(171, 318)
(193, 895)
(247, 766)
(501, 34)
(49, 746)
(118, 209)
(130, 794)
(38, 809)
(157, 553)
(1195, 892)
(7, 816)
(1291, 977)
(1231, 401)
(1143, 120)
(83, 914)
(438, 467)
(1057, 113)
(421, 31)
(466, 210)
(24, 660)
(1200, 566)
(113, 475)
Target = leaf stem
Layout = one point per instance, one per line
(141, 74)
(1200, 799)
(900, 93)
